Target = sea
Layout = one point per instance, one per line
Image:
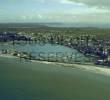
(26, 80)
(38, 81)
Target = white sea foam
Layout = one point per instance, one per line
(97, 69)
(92, 68)
(7, 56)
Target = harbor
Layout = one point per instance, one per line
(54, 50)
(85, 47)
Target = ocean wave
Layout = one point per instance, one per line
(92, 68)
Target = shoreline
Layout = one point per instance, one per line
(91, 68)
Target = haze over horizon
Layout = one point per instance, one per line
(48, 11)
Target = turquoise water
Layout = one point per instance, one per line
(36, 81)
(37, 48)
(45, 50)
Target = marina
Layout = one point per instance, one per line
(46, 52)
(85, 47)
(54, 50)
(53, 66)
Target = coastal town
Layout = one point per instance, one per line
(54, 49)
(97, 51)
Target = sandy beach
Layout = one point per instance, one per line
(92, 68)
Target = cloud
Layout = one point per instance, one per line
(39, 1)
(39, 16)
(24, 17)
(96, 17)
(57, 10)
(66, 2)
(70, 2)
(97, 3)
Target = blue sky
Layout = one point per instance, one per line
(75, 11)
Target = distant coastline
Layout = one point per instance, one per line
(54, 25)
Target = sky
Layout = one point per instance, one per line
(68, 11)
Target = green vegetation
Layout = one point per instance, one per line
(94, 43)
